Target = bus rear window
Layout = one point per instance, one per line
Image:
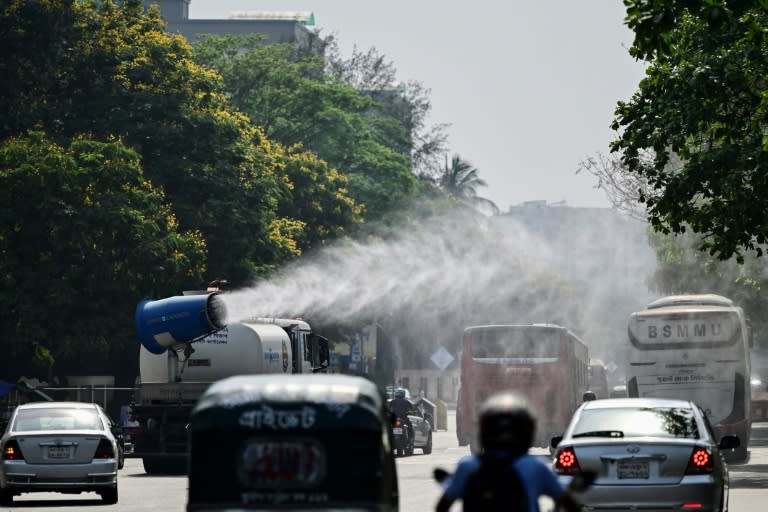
(515, 343)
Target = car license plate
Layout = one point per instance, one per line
(58, 452)
(397, 430)
(628, 469)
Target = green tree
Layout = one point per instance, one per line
(408, 103)
(119, 73)
(316, 202)
(84, 236)
(287, 92)
(700, 113)
(461, 181)
(654, 22)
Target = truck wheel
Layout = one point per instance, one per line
(164, 466)
(109, 496)
(6, 498)
(151, 465)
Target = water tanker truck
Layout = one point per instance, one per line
(186, 346)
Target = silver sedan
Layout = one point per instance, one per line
(650, 454)
(58, 447)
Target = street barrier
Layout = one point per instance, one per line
(435, 408)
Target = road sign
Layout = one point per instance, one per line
(442, 358)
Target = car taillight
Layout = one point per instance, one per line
(566, 462)
(104, 450)
(11, 451)
(398, 423)
(700, 462)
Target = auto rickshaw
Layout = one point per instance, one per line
(291, 442)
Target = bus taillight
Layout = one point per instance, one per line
(566, 462)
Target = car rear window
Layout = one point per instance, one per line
(62, 418)
(639, 421)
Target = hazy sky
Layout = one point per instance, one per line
(527, 87)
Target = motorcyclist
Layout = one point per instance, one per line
(507, 429)
(400, 406)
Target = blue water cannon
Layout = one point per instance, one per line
(182, 319)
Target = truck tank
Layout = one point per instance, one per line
(237, 349)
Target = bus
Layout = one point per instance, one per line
(546, 363)
(695, 347)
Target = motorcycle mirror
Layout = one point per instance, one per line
(440, 474)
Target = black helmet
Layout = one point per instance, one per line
(506, 423)
(399, 393)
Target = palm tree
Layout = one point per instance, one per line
(461, 181)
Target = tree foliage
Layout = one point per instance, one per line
(119, 73)
(701, 114)
(371, 73)
(460, 180)
(84, 236)
(287, 91)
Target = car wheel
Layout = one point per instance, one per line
(109, 496)
(428, 447)
(6, 498)
(409, 449)
(120, 458)
(723, 500)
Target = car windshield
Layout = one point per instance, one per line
(637, 421)
(57, 418)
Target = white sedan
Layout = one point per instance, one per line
(62, 447)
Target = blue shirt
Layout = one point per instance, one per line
(538, 479)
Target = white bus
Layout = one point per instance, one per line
(695, 347)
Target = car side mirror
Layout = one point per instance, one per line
(117, 430)
(555, 441)
(729, 442)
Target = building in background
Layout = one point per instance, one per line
(277, 26)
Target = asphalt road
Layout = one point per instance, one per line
(418, 492)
